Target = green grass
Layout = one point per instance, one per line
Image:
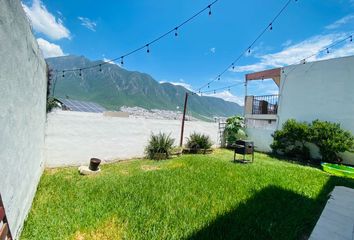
(191, 197)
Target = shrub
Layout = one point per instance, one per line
(159, 146)
(234, 129)
(330, 139)
(198, 141)
(51, 104)
(291, 139)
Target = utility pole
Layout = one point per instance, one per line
(183, 119)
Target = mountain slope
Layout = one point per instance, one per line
(114, 87)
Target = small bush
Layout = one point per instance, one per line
(51, 104)
(234, 130)
(159, 146)
(198, 141)
(330, 139)
(291, 140)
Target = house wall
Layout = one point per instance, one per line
(72, 138)
(320, 90)
(260, 131)
(22, 113)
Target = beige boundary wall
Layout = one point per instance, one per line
(72, 138)
(22, 113)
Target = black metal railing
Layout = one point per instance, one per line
(267, 104)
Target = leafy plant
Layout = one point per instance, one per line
(330, 139)
(51, 103)
(159, 146)
(234, 129)
(291, 139)
(198, 141)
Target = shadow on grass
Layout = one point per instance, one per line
(272, 213)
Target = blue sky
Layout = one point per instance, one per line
(204, 47)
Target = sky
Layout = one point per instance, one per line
(205, 46)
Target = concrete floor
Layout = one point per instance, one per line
(337, 218)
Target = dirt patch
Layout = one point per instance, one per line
(110, 229)
(124, 172)
(150, 168)
(52, 171)
(174, 165)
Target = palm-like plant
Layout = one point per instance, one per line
(198, 141)
(159, 146)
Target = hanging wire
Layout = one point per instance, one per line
(219, 89)
(147, 44)
(303, 61)
(248, 49)
(325, 49)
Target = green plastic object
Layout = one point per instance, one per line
(339, 170)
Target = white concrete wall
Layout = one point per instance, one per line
(320, 90)
(22, 113)
(260, 131)
(72, 138)
(262, 138)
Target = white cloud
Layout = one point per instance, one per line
(212, 50)
(45, 22)
(87, 23)
(293, 54)
(341, 22)
(49, 49)
(227, 96)
(180, 83)
(287, 43)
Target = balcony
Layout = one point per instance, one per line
(267, 104)
(261, 105)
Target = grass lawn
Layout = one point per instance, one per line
(191, 197)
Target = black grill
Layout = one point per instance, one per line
(244, 147)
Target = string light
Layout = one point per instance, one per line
(173, 30)
(122, 61)
(218, 78)
(248, 50)
(351, 38)
(147, 48)
(63, 73)
(303, 61)
(100, 67)
(222, 88)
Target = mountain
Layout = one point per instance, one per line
(114, 87)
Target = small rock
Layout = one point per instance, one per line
(84, 170)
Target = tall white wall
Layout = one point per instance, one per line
(320, 90)
(22, 113)
(72, 138)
